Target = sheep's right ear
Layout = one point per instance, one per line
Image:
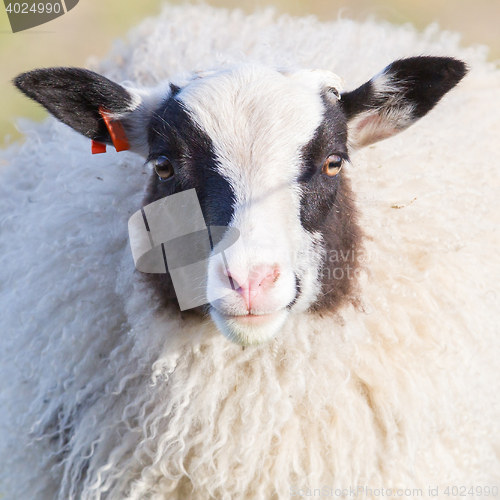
(78, 97)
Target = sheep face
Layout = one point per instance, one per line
(265, 151)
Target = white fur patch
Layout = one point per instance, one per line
(319, 80)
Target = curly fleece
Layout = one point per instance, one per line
(106, 397)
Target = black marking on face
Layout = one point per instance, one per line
(330, 138)
(327, 207)
(173, 133)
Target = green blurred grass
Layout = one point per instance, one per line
(90, 28)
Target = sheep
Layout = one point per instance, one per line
(382, 377)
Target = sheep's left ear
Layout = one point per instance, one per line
(398, 96)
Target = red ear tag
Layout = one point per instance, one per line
(115, 128)
(98, 147)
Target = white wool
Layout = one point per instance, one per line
(110, 399)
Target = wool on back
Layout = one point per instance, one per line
(105, 396)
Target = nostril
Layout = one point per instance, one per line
(265, 276)
(275, 274)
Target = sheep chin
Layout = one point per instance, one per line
(250, 333)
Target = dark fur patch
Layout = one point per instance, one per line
(421, 83)
(174, 134)
(327, 206)
(74, 95)
(425, 80)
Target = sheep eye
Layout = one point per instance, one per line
(164, 168)
(332, 165)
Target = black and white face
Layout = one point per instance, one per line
(266, 152)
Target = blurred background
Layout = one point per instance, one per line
(90, 28)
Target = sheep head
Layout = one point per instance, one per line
(265, 150)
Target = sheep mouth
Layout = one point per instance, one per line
(250, 329)
(251, 318)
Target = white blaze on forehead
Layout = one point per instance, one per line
(258, 120)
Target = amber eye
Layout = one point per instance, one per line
(164, 168)
(332, 165)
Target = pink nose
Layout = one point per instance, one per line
(259, 279)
